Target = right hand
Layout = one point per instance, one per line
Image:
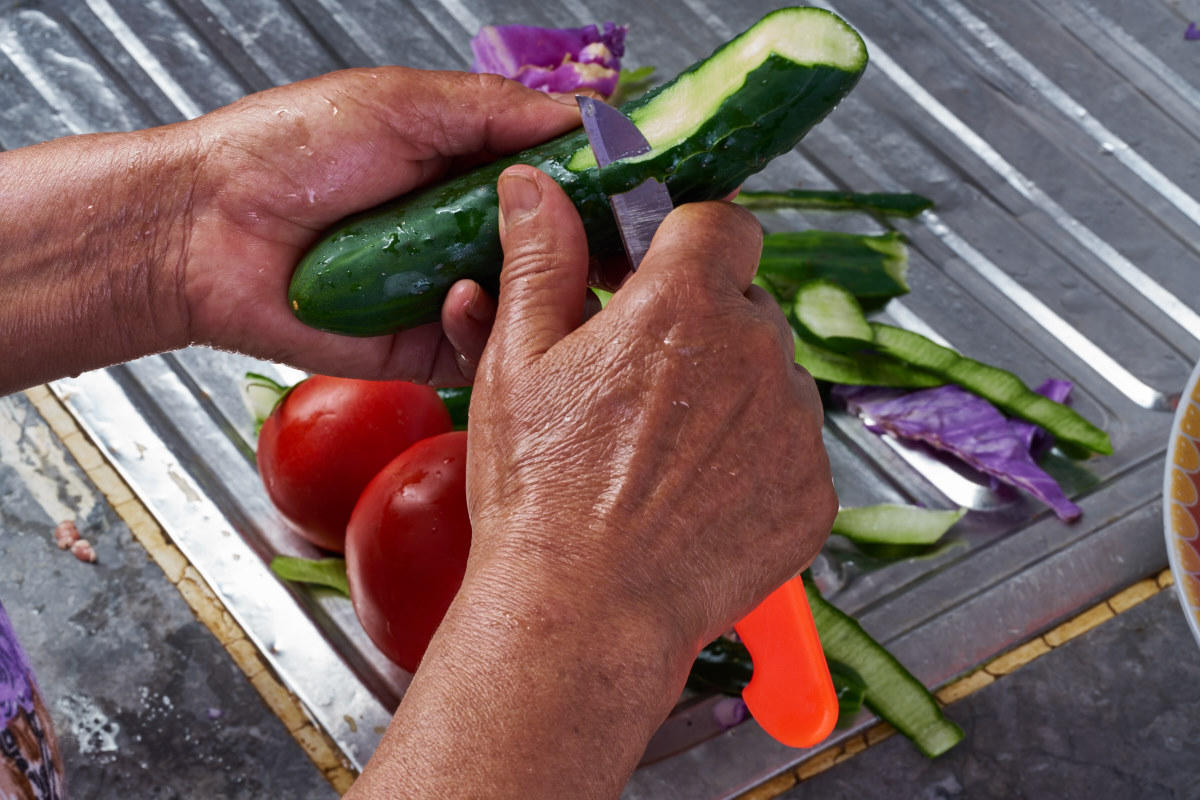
(660, 463)
(636, 483)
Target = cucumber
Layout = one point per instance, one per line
(458, 403)
(716, 124)
(831, 316)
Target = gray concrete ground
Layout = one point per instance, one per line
(146, 702)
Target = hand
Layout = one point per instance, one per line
(663, 460)
(278, 167)
(117, 245)
(636, 482)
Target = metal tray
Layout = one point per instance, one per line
(1056, 136)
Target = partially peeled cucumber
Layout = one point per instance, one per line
(713, 126)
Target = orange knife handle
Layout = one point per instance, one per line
(790, 694)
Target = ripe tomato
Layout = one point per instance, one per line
(321, 446)
(407, 545)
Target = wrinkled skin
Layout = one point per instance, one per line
(283, 165)
(122, 244)
(636, 484)
(676, 416)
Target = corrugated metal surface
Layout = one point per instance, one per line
(1058, 138)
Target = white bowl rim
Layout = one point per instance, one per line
(1191, 614)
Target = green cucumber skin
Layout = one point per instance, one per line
(390, 268)
(872, 268)
(458, 403)
(1000, 387)
(895, 205)
(892, 691)
(859, 369)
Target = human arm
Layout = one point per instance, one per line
(583, 604)
(117, 245)
(637, 483)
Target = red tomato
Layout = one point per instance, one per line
(407, 545)
(329, 437)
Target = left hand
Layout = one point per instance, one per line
(278, 167)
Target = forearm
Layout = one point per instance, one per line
(521, 697)
(92, 232)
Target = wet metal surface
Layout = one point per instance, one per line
(1057, 137)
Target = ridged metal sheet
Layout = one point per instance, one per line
(1058, 138)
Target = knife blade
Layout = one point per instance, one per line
(790, 693)
(642, 209)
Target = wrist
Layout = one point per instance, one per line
(582, 561)
(148, 237)
(95, 230)
(640, 656)
(549, 699)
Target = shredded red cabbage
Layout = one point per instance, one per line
(553, 59)
(730, 712)
(956, 421)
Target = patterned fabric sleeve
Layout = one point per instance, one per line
(30, 764)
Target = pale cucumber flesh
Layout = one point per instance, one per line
(831, 314)
(807, 36)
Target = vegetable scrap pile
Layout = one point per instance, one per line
(902, 385)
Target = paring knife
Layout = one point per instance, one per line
(790, 694)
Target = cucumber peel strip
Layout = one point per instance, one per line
(850, 688)
(262, 395)
(859, 369)
(893, 692)
(999, 387)
(898, 205)
(803, 36)
(327, 572)
(872, 268)
(895, 524)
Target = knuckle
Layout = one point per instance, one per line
(491, 83)
(721, 226)
(529, 259)
(710, 241)
(761, 339)
(826, 506)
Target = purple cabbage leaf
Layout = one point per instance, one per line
(956, 421)
(552, 59)
(1035, 438)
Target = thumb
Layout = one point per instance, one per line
(543, 285)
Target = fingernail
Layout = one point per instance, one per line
(479, 308)
(519, 197)
(566, 98)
